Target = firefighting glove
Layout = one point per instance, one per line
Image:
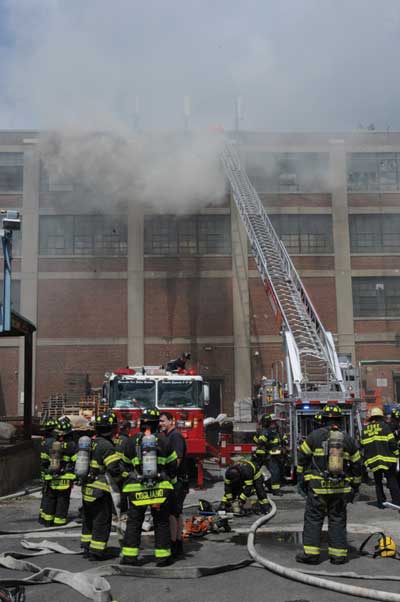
(301, 488)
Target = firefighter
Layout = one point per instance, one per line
(179, 363)
(105, 466)
(45, 446)
(328, 471)
(58, 459)
(120, 441)
(181, 484)
(381, 453)
(241, 479)
(395, 425)
(270, 446)
(152, 464)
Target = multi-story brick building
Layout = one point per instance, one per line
(138, 287)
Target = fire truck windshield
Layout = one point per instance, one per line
(179, 394)
(133, 394)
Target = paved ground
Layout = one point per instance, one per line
(279, 541)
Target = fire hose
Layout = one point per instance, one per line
(310, 578)
(92, 584)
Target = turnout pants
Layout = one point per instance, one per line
(54, 506)
(131, 542)
(275, 468)
(317, 507)
(392, 482)
(96, 524)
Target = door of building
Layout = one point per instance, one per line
(396, 388)
(214, 407)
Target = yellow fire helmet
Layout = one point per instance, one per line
(376, 412)
(385, 547)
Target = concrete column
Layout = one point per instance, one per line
(29, 260)
(135, 285)
(341, 239)
(241, 313)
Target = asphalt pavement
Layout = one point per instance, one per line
(279, 541)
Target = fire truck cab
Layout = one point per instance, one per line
(128, 391)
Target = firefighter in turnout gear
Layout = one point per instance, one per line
(329, 475)
(45, 447)
(152, 464)
(395, 426)
(58, 457)
(241, 480)
(381, 453)
(269, 448)
(105, 466)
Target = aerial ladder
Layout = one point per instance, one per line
(311, 362)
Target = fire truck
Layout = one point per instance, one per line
(312, 371)
(128, 391)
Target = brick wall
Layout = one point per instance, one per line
(82, 308)
(53, 361)
(375, 263)
(188, 307)
(83, 264)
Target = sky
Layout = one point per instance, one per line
(296, 64)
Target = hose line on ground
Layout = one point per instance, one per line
(307, 577)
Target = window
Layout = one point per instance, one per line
(373, 171)
(289, 172)
(101, 235)
(375, 233)
(305, 233)
(11, 172)
(51, 181)
(376, 297)
(189, 235)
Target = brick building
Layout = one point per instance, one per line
(139, 287)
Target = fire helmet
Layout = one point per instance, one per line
(396, 413)
(331, 410)
(105, 422)
(376, 412)
(50, 424)
(318, 418)
(149, 419)
(63, 425)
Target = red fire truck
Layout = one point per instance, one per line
(128, 391)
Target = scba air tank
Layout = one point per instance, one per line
(82, 460)
(149, 456)
(335, 452)
(55, 457)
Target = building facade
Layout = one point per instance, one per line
(133, 286)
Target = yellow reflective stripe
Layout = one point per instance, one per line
(276, 486)
(355, 457)
(149, 502)
(376, 438)
(60, 521)
(88, 498)
(379, 467)
(318, 451)
(111, 458)
(171, 458)
(85, 538)
(95, 464)
(312, 550)
(243, 496)
(44, 456)
(249, 482)
(132, 552)
(100, 485)
(378, 458)
(357, 480)
(162, 552)
(97, 545)
(337, 551)
(300, 469)
(257, 475)
(250, 463)
(331, 491)
(305, 448)
(48, 517)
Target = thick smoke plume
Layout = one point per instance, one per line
(169, 173)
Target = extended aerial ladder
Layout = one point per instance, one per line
(312, 366)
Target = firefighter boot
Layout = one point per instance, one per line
(130, 560)
(177, 549)
(165, 562)
(339, 560)
(307, 559)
